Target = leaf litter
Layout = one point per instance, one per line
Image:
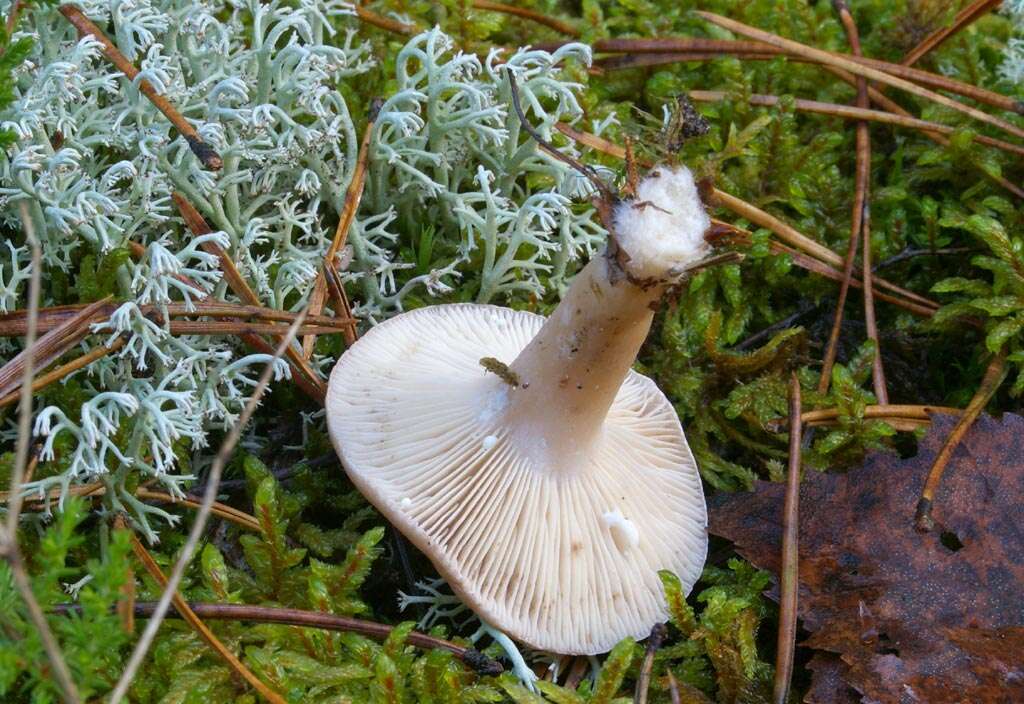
(894, 614)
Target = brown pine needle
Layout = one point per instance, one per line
(645, 52)
(892, 106)
(198, 226)
(314, 391)
(41, 382)
(385, 23)
(238, 318)
(95, 490)
(308, 382)
(860, 228)
(228, 513)
(240, 328)
(863, 174)
(994, 375)
(905, 411)
(966, 16)
(353, 194)
(858, 69)
(471, 657)
(555, 24)
(237, 283)
(893, 109)
(625, 62)
(849, 112)
(814, 266)
(9, 549)
(12, 19)
(182, 607)
(870, 320)
(682, 45)
(576, 672)
(796, 239)
(339, 300)
(13, 323)
(50, 346)
(822, 259)
(790, 565)
(203, 151)
(199, 524)
(673, 689)
(593, 141)
(643, 683)
(126, 604)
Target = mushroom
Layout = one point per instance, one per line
(546, 480)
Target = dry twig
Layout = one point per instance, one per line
(203, 151)
(607, 195)
(385, 23)
(317, 619)
(859, 229)
(673, 689)
(301, 368)
(789, 570)
(634, 53)
(966, 16)
(41, 382)
(821, 259)
(182, 607)
(825, 416)
(228, 513)
(209, 495)
(48, 348)
(551, 22)
(849, 112)
(859, 69)
(994, 375)
(643, 683)
(339, 300)
(9, 532)
(353, 194)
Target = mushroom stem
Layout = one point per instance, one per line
(570, 373)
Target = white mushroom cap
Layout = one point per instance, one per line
(560, 551)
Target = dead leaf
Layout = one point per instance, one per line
(828, 685)
(934, 617)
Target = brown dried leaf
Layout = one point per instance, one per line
(934, 617)
(828, 685)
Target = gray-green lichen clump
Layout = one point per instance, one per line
(264, 84)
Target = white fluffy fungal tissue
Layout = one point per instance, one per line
(663, 227)
(624, 531)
